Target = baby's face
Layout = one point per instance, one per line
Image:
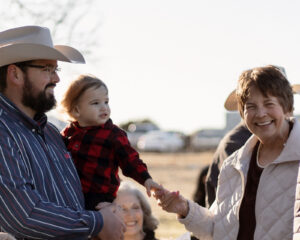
(93, 108)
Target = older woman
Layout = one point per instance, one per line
(136, 213)
(256, 187)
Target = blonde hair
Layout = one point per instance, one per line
(150, 222)
(77, 89)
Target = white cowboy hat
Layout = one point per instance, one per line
(232, 105)
(33, 42)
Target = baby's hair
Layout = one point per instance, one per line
(77, 89)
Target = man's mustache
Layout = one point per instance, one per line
(50, 85)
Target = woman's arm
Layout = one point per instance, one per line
(196, 219)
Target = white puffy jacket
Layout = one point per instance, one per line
(274, 208)
(297, 210)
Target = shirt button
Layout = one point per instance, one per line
(33, 130)
(76, 145)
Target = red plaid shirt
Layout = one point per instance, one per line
(98, 152)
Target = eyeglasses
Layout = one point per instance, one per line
(51, 70)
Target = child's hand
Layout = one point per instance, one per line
(150, 185)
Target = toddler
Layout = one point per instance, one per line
(99, 147)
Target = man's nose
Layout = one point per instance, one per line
(55, 78)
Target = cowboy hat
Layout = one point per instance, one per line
(232, 105)
(33, 42)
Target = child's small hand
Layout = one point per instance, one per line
(150, 185)
(160, 194)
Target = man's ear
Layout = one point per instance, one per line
(14, 74)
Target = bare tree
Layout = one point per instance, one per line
(69, 20)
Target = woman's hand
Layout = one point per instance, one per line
(172, 202)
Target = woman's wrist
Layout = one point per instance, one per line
(184, 210)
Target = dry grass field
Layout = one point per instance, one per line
(175, 171)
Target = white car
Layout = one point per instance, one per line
(161, 141)
(136, 130)
(206, 139)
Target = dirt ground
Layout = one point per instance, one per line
(175, 171)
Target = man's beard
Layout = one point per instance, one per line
(40, 103)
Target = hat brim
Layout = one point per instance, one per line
(232, 105)
(27, 51)
(231, 102)
(296, 88)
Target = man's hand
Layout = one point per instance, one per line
(103, 205)
(6, 236)
(113, 225)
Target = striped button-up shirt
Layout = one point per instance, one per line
(40, 192)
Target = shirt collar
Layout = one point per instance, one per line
(39, 121)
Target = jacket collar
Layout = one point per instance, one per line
(78, 128)
(291, 151)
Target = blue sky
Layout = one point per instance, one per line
(175, 61)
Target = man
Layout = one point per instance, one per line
(40, 192)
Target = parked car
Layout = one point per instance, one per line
(161, 141)
(206, 139)
(135, 130)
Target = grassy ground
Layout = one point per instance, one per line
(175, 171)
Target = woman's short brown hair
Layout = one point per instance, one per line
(270, 81)
(77, 89)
